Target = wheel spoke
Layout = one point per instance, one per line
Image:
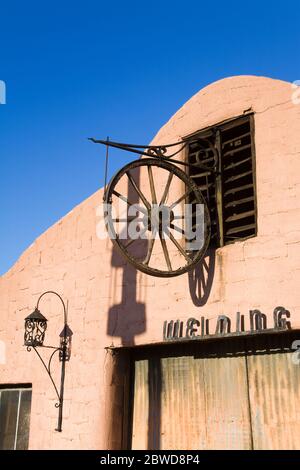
(137, 204)
(149, 252)
(184, 196)
(153, 194)
(134, 239)
(130, 242)
(205, 266)
(137, 189)
(178, 246)
(124, 198)
(165, 194)
(165, 250)
(178, 229)
(128, 219)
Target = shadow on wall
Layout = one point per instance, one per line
(201, 278)
(128, 318)
(155, 399)
(200, 284)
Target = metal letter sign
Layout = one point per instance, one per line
(195, 329)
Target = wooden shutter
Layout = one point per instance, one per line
(230, 193)
(237, 161)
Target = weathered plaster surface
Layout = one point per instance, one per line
(110, 303)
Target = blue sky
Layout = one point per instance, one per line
(122, 68)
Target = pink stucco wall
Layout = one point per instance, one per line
(112, 304)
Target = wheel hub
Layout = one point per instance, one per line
(159, 218)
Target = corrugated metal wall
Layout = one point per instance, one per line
(228, 394)
(274, 393)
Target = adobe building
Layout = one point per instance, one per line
(204, 360)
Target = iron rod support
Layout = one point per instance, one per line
(157, 152)
(63, 358)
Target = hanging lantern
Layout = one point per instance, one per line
(35, 328)
(65, 339)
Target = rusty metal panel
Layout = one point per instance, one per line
(227, 406)
(182, 404)
(231, 394)
(169, 408)
(141, 406)
(274, 391)
(118, 425)
(202, 407)
(190, 400)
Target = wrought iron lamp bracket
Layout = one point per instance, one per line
(64, 350)
(48, 369)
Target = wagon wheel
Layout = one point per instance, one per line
(149, 225)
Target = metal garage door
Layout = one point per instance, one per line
(226, 394)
